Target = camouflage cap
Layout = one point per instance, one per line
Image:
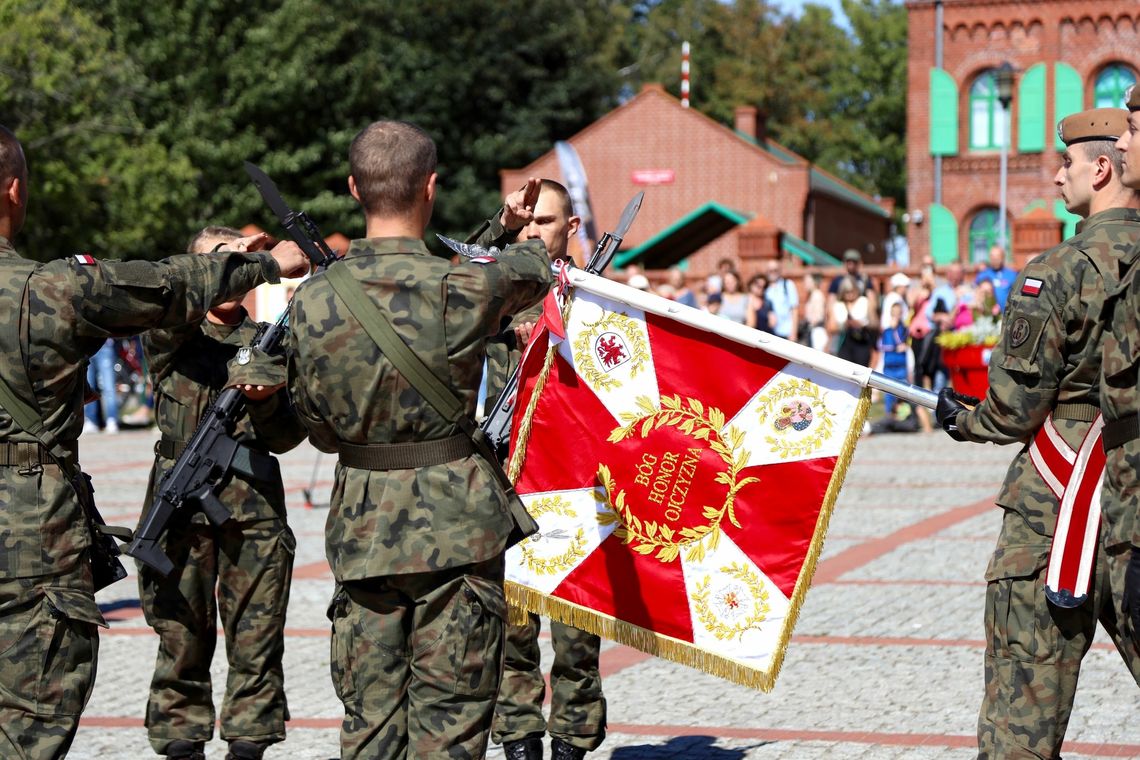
(1132, 98)
(1094, 124)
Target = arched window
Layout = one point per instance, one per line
(984, 234)
(1111, 84)
(988, 120)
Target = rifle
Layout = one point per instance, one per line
(497, 424)
(198, 475)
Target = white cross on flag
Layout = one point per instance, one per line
(682, 474)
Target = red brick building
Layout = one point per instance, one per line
(1066, 55)
(713, 191)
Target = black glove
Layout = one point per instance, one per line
(950, 405)
(1132, 593)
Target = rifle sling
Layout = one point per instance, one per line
(420, 377)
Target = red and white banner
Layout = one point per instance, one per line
(1074, 477)
(682, 477)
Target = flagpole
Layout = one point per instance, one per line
(734, 331)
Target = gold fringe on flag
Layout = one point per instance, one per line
(522, 599)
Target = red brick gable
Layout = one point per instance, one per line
(709, 163)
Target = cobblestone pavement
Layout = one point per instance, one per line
(886, 661)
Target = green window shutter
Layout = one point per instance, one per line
(943, 114)
(1070, 220)
(943, 235)
(1031, 110)
(1068, 95)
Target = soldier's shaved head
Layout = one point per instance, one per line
(557, 188)
(209, 237)
(390, 162)
(12, 164)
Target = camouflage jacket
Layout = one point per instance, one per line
(1049, 353)
(1119, 398)
(62, 312)
(188, 369)
(406, 521)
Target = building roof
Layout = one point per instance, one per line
(688, 234)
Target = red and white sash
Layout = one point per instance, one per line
(1074, 477)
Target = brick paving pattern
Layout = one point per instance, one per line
(886, 662)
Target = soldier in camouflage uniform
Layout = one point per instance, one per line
(1047, 363)
(248, 559)
(1120, 402)
(577, 723)
(418, 521)
(60, 313)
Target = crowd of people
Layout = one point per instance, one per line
(889, 323)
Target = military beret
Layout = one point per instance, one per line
(1132, 98)
(1094, 124)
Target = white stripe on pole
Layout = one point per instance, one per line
(684, 75)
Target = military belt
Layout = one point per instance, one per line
(31, 454)
(1077, 411)
(405, 456)
(247, 461)
(1121, 431)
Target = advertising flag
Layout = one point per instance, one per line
(682, 473)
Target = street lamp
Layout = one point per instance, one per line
(1004, 78)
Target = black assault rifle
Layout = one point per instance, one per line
(201, 470)
(497, 424)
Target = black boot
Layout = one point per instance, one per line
(560, 750)
(243, 750)
(525, 749)
(181, 749)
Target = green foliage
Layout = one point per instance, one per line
(99, 180)
(137, 115)
(836, 98)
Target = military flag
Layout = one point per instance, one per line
(682, 469)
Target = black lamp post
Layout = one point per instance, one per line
(1004, 76)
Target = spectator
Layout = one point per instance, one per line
(734, 301)
(813, 324)
(985, 301)
(852, 322)
(713, 303)
(999, 275)
(854, 265)
(899, 283)
(896, 353)
(101, 376)
(715, 282)
(682, 294)
(639, 281)
(761, 315)
(785, 302)
(945, 295)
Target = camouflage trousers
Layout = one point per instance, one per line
(240, 572)
(577, 706)
(416, 660)
(1034, 650)
(49, 644)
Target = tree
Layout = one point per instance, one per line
(99, 182)
(495, 83)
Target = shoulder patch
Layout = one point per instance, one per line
(85, 259)
(1031, 287)
(1023, 335)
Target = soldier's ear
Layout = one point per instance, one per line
(352, 189)
(14, 192)
(572, 226)
(429, 188)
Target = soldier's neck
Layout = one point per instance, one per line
(1123, 198)
(394, 226)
